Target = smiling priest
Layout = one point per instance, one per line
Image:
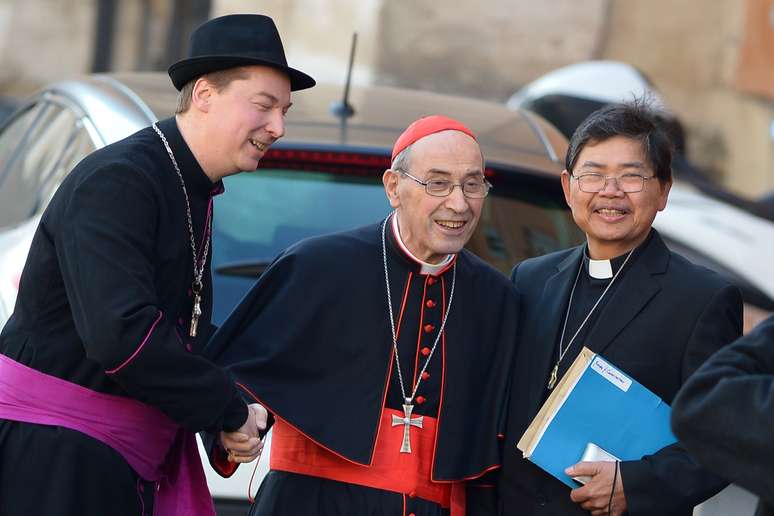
(625, 295)
(381, 352)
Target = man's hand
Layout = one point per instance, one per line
(595, 495)
(244, 445)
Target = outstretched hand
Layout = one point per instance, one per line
(244, 444)
(594, 496)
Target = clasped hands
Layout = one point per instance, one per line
(594, 496)
(244, 444)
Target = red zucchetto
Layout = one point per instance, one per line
(426, 126)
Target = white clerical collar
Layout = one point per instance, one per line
(603, 269)
(600, 269)
(427, 268)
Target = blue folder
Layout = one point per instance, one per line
(596, 403)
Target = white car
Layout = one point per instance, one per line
(725, 238)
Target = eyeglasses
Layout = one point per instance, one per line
(471, 188)
(627, 183)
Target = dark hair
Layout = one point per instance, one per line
(634, 120)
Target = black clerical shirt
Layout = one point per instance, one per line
(105, 303)
(587, 291)
(104, 299)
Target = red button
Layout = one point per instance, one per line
(431, 280)
(412, 514)
(429, 328)
(420, 400)
(425, 375)
(412, 494)
(430, 303)
(425, 351)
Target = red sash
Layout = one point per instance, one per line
(390, 470)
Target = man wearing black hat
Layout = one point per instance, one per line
(101, 378)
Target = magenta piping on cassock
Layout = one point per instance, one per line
(147, 336)
(205, 234)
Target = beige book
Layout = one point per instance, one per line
(555, 400)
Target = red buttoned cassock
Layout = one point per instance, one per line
(312, 343)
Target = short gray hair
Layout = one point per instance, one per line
(402, 161)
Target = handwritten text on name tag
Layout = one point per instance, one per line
(611, 374)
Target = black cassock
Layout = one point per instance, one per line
(106, 287)
(312, 342)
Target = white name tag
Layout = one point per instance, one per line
(611, 374)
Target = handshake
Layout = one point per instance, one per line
(245, 445)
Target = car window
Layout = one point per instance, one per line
(14, 133)
(77, 146)
(13, 140)
(36, 150)
(520, 223)
(262, 213)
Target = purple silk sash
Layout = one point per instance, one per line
(154, 446)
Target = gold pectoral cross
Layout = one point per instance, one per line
(407, 423)
(553, 377)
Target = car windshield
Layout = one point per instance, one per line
(261, 213)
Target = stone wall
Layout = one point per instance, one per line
(453, 46)
(485, 52)
(690, 50)
(43, 40)
(317, 34)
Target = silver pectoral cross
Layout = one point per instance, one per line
(407, 423)
(195, 314)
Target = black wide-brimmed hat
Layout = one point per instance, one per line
(232, 41)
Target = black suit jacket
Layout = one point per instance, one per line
(725, 413)
(666, 317)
